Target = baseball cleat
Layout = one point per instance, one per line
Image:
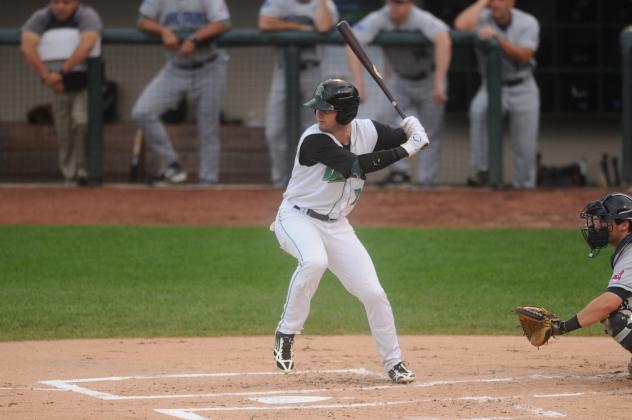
(400, 374)
(284, 351)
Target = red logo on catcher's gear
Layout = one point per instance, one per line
(618, 276)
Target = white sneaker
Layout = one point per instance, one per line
(173, 174)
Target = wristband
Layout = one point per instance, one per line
(569, 325)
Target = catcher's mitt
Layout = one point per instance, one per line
(538, 324)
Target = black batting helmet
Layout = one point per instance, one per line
(336, 95)
(610, 208)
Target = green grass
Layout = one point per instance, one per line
(72, 282)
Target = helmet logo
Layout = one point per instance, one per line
(319, 91)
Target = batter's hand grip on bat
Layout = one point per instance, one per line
(347, 34)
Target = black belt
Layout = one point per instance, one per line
(304, 65)
(513, 82)
(419, 76)
(312, 213)
(196, 64)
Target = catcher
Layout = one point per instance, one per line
(608, 221)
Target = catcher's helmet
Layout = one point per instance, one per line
(610, 208)
(336, 95)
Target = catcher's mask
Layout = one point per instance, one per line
(599, 216)
(336, 95)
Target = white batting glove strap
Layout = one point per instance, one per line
(411, 125)
(416, 142)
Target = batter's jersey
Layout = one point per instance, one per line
(622, 272)
(407, 61)
(303, 12)
(325, 190)
(186, 17)
(524, 31)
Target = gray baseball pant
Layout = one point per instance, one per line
(276, 130)
(522, 103)
(415, 98)
(205, 87)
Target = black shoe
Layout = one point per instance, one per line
(481, 179)
(284, 351)
(400, 374)
(396, 178)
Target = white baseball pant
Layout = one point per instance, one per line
(318, 246)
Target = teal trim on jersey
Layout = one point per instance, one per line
(342, 194)
(357, 192)
(332, 175)
(356, 170)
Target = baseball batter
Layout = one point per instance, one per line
(332, 159)
(420, 72)
(195, 67)
(292, 15)
(609, 221)
(518, 34)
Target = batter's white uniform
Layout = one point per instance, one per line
(319, 245)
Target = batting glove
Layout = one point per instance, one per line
(411, 125)
(417, 137)
(416, 142)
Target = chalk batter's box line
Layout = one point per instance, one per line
(190, 413)
(71, 384)
(534, 411)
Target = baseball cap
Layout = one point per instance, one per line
(400, 1)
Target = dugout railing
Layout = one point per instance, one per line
(292, 42)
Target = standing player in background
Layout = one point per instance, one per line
(291, 15)
(195, 66)
(609, 222)
(56, 41)
(332, 159)
(518, 34)
(419, 81)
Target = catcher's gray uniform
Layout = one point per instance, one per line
(412, 81)
(520, 98)
(310, 74)
(619, 323)
(202, 76)
(622, 272)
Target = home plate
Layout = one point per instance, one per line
(289, 399)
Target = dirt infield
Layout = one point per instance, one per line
(337, 377)
(256, 206)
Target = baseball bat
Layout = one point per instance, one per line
(137, 148)
(347, 33)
